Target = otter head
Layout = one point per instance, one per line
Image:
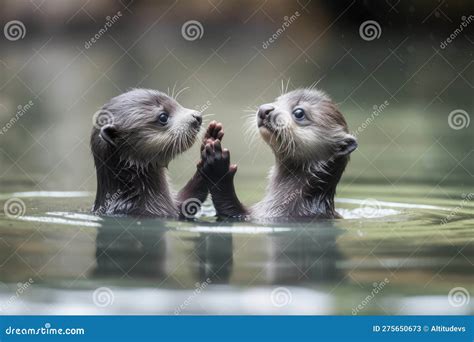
(144, 127)
(303, 126)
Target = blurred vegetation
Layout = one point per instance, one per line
(409, 142)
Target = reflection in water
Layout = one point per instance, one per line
(309, 257)
(214, 254)
(286, 256)
(135, 252)
(166, 259)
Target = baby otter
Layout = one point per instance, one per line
(311, 143)
(135, 136)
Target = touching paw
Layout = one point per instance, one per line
(214, 131)
(216, 162)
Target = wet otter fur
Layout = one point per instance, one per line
(311, 143)
(134, 138)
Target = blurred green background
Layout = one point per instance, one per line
(228, 70)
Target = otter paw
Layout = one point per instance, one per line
(216, 162)
(214, 131)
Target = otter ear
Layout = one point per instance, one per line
(347, 145)
(108, 133)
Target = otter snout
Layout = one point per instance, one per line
(264, 111)
(197, 119)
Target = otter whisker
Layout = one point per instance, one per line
(278, 140)
(315, 83)
(251, 113)
(287, 84)
(174, 86)
(182, 136)
(248, 116)
(200, 135)
(179, 92)
(250, 130)
(250, 109)
(245, 116)
(292, 145)
(251, 138)
(286, 142)
(256, 153)
(281, 136)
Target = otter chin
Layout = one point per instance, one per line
(310, 140)
(134, 138)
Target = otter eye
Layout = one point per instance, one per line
(163, 118)
(299, 114)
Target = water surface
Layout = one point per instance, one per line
(402, 251)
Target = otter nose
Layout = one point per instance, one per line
(198, 117)
(264, 110)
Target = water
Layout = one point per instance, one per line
(398, 249)
(406, 245)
